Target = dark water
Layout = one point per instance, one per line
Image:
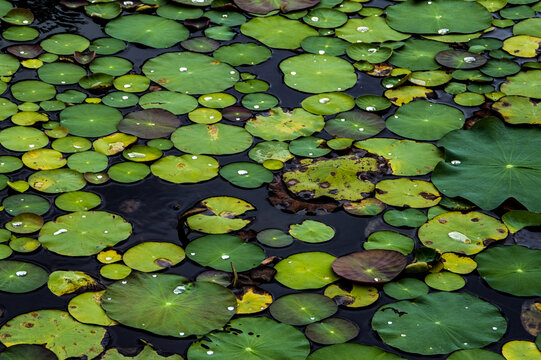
(153, 206)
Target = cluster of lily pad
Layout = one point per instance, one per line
(79, 111)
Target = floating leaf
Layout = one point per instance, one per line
(370, 266)
(21, 277)
(185, 168)
(285, 125)
(351, 351)
(153, 256)
(407, 192)
(309, 270)
(277, 31)
(222, 218)
(215, 139)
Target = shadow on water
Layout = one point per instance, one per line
(153, 206)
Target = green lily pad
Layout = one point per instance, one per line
(20, 277)
(25, 203)
(168, 100)
(246, 174)
(190, 73)
(284, 125)
(153, 256)
(352, 295)
(525, 83)
(445, 281)
(90, 120)
(407, 192)
(370, 266)
(336, 178)
(389, 240)
(309, 146)
(405, 157)
(65, 44)
(318, 73)
(242, 54)
(149, 124)
(220, 251)
(274, 238)
(61, 73)
(67, 282)
(84, 233)
(418, 55)
(148, 353)
(441, 329)
(302, 308)
(462, 233)
(328, 103)
(486, 165)
(406, 288)
(309, 270)
(185, 168)
(128, 172)
(311, 231)
(153, 31)
(518, 110)
(460, 59)
(57, 330)
(355, 124)
(438, 17)
(32, 90)
(56, 181)
(27, 351)
(86, 308)
(277, 31)
(371, 29)
(423, 120)
(351, 351)
(222, 217)
(252, 339)
(169, 305)
(515, 220)
(475, 354)
(215, 139)
(512, 269)
(409, 218)
(115, 271)
(332, 331)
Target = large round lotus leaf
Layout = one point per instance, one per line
(371, 29)
(32, 90)
(277, 31)
(302, 308)
(309, 270)
(311, 231)
(318, 73)
(475, 354)
(57, 330)
(26, 351)
(65, 44)
(336, 178)
(153, 256)
(242, 54)
(84, 233)
(149, 124)
(389, 240)
(512, 269)
(168, 100)
(438, 17)
(252, 339)
(418, 55)
(332, 331)
(190, 73)
(490, 163)
(525, 83)
(222, 252)
(61, 73)
(462, 233)
(428, 328)
(169, 305)
(370, 266)
(518, 110)
(153, 31)
(86, 308)
(328, 103)
(406, 157)
(423, 120)
(25, 203)
(21, 277)
(460, 59)
(185, 168)
(90, 120)
(355, 124)
(221, 215)
(215, 139)
(407, 192)
(285, 125)
(56, 181)
(351, 352)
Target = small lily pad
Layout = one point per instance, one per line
(370, 266)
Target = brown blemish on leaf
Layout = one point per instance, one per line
(428, 196)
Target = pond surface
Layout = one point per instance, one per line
(483, 121)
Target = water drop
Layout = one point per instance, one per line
(60, 231)
(315, 18)
(124, 282)
(181, 333)
(389, 322)
(403, 335)
(455, 162)
(182, 69)
(179, 289)
(225, 257)
(108, 258)
(293, 73)
(363, 28)
(21, 273)
(469, 59)
(443, 31)
(230, 308)
(458, 236)
(242, 172)
(324, 100)
(370, 108)
(372, 50)
(210, 352)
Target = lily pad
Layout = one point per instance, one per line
(303, 308)
(215, 139)
(20, 277)
(370, 266)
(351, 351)
(84, 233)
(167, 304)
(462, 233)
(406, 288)
(252, 339)
(277, 31)
(486, 165)
(441, 329)
(318, 73)
(190, 73)
(371, 29)
(222, 252)
(153, 256)
(185, 168)
(311, 231)
(352, 295)
(284, 125)
(512, 269)
(309, 270)
(525, 83)
(90, 120)
(407, 192)
(246, 174)
(389, 240)
(57, 330)
(355, 124)
(149, 124)
(518, 110)
(27, 351)
(332, 331)
(86, 309)
(222, 215)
